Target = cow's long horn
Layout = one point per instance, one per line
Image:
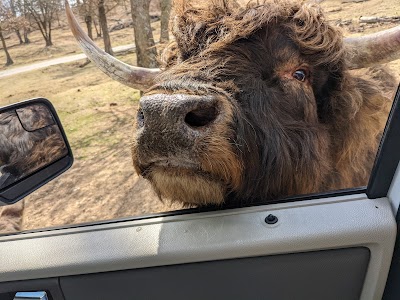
(373, 49)
(135, 77)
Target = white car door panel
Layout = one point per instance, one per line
(346, 222)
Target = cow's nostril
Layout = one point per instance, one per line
(140, 118)
(201, 116)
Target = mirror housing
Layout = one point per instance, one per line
(33, 148)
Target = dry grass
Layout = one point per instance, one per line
(78, 94)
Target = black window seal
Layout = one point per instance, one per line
(388, 155)
(385, 167)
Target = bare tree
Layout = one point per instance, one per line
(145, 47)
(5, 16)
(104, 27)
(86, 10)
(22, 11)
(165, 13)
(97, 28)
(89, 25)
(26, 38)
(43, 12)
(9, 61)
(14, 13)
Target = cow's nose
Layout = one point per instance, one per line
(163, 112)
(172, 126)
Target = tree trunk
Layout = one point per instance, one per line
(88, 14)
(50, 43)
(19, 36)
(44, 30)
(103, 25)
(58, 18)
(165, 12)
(88, 21)
(98, 31)
(26, 39)
(144, 41)
(46, 33)
(14, 12)
(8, 57)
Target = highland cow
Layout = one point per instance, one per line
(256, 103)
(29, 140)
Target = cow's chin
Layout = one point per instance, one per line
(186, 186)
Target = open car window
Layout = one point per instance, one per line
(301, 146)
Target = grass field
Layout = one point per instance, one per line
(79, 96)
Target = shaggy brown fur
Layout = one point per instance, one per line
(24, 148)
(275, 134)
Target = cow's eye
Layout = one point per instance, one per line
(300, 75)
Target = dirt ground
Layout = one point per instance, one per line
(102, 184)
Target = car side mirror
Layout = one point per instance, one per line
(33, 148)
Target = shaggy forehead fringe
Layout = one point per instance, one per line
(225, 21)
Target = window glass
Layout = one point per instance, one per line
(257, 117)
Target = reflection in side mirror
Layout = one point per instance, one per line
(33, 148)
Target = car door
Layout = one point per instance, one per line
(327, 246)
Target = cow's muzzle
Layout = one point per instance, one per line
(172, 128)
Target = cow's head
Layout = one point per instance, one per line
(244, 102)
